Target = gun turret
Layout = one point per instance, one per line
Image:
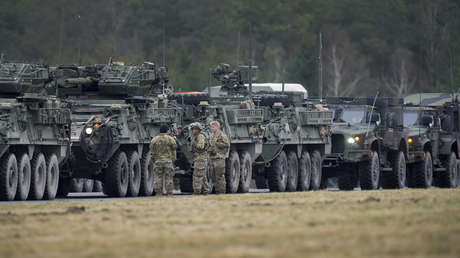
(233, 81)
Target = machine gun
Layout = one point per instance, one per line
(233, 81)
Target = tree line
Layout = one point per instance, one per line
(393, 46)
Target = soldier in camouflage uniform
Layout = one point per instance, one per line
(219, 147)
(163, 149)
(199, 148)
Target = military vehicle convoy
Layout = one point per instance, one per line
(117, 122)
(278, 135)
(34, 134)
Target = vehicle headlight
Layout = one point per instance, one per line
(89, 130)
(410, 140)
(351, 140)
(356, 138)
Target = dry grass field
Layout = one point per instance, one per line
(408, 223)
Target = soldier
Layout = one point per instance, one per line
(163, 149)
(199, 147)
(219, 147)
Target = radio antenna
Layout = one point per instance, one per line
(320, 67)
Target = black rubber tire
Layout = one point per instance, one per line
(65, 185)
(232, 172)
(293, 172)
(134, 184)
(277, 173)
(8, 177)
(346, 181)
(448, 178)
(369, 173)
(24, 174)
(304, 172)
(116, 175)
(261, 182)
(77, 185)
(422, 172)
(97, 186)
(186, 184)
(38, 177)
(52, 177)
(88, 186)
(147, 175)
(245, 172)
(316, 170)
(397, 177)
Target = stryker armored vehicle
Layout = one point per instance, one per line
(431, 125)
(239, 119)
(117, 122)
(263, 125)
(356, 143)
(34, 134)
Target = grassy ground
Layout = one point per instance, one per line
(408, 223)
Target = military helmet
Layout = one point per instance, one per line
(196, 125)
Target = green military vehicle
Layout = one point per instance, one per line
(431, 128)
(34, 134)
(356, 143)
(239, 119)
(116, 124)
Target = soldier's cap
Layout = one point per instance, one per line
(163, 128)
(196, 125)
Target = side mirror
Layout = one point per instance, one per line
(427, 121)
(375, 118)
(391, 120)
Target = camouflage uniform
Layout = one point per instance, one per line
(199, 147)
(219, 147)
(163, 149)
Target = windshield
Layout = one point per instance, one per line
(353, 116)
(410, 118)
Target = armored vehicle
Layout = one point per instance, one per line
(118, 121)
(239, 119)
(356, 143)
(296, 136)
(34, 134)
(431, 126)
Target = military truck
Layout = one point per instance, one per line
(118, 122)
(431, 124)
(356, 143)
(34, 134)
(271, 133)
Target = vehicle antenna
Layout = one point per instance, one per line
(164, 46)
(238, 48)
(1, 58)
(250, 60)
(320, 67)
(370, 114)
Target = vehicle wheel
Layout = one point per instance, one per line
(448, 178)
(346, 181)
(116, 176)
(277, 174)
(186, 184)
(232, 173)
(8, 177)
(293, 172)
(97, 186)
(396, 179)
(304, 172)
(52, 177)
(88, 186)
(261, 182)
(134, 174)
(246, 172)
(422, 172)
(316, 170)
(77, 185)
(23, 178)
(65, 185)
(38, 177)
(369, 173)
(147, 176)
